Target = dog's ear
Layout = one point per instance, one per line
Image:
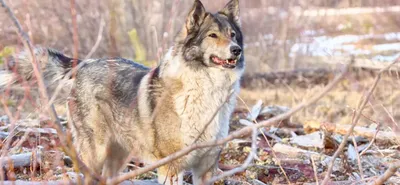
(196, 16)
(232, 11)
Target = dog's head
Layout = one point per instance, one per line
(212, 40)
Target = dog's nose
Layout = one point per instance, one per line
(236, 50)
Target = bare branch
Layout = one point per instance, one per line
(372, 141)
(315, 170)
(99, 37)
(388, 173)
(249, 159)
(75, 35)
(360, 168)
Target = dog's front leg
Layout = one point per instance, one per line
(168, 176)
(203, 173)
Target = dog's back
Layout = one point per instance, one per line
(104, 112)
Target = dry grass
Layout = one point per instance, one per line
(338, 105)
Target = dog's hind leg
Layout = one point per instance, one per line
(93, 156)
(90, 149)
(116, 159)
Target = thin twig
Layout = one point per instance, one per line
(372, 141)
(249, 159)
(278, 161)
(99, 37)
(388, 173)
(63, 82)
(75, 35)
(237, 134)
(157, 45)
(356, 148)
(272, 135)
(392, 118)
(358, 158)
(361, 107)
(314, 169)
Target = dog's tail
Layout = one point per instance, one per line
(53, 64)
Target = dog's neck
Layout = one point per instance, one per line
(171, 65)
(154, 75)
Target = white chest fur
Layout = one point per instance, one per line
(205, 104)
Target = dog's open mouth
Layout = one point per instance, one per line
(228, 63)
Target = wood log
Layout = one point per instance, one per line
(309, 76)
(294, 152)
(302, 77)
(382, 136)
(4, 135)
(21, 160)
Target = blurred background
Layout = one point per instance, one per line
(278, 34)
(288, 35)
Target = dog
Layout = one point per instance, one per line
(119, 108)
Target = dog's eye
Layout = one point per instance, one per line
(213, 35)
(233, 34)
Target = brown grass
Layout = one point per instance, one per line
(338, 105)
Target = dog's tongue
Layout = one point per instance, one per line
(218, 60)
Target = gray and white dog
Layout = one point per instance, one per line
(118, 107)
